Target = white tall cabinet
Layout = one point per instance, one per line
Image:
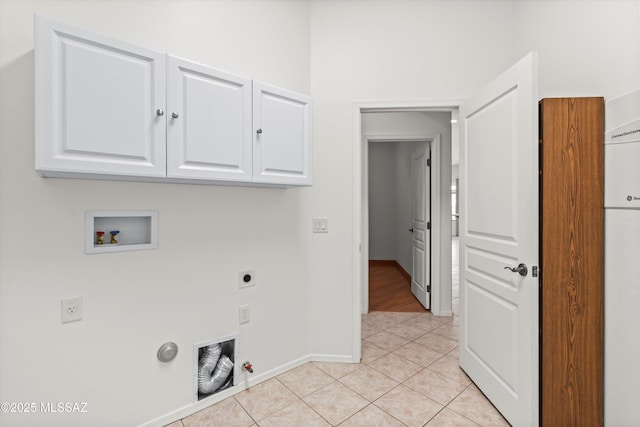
(112, 110)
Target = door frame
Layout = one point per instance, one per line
(360, 271)
(432, 142)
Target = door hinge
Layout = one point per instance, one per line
(428, 288)
(428, 225)
(534, 271)
(428, 162)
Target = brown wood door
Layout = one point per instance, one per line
(572, 259)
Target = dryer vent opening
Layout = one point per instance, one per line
(214, 365)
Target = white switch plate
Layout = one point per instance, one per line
(71, 309)
(320, 225)
(244, 314)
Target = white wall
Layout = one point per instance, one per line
(186, 291)
(429, 50)
(383, 205)
(338, 51)
(586, 48)
(389, 50)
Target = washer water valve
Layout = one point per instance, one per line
(248, 367)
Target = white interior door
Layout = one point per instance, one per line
(420, 186)
(499, 228)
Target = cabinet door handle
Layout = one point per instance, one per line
(259, 131)
(160, 112)
(174, 115)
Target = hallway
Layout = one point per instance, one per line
(390, 289)
(390, 285)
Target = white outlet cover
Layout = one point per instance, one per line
(244, 314)
(71, 309)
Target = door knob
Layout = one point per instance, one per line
(411, 229)
(520, 269)
(160, 112)
(174, 115)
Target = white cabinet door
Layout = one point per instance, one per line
(281, 137)
(100, 104)
(208, 123)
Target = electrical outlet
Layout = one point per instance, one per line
(71, 309)
(246, 278)
(244, 314)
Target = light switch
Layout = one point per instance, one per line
(320, 225)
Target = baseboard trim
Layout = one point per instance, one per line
(332, 358)
(443, 313)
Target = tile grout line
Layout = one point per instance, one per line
(445, 323)
(301, 399)
(245, 410)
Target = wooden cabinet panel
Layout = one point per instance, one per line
(572, 260)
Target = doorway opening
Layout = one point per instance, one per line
(390, 121)
(426, 124)
(399, 194)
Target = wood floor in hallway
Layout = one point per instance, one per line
(390, 288)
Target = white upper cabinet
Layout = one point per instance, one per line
(208, 123)
(109, 109)
(282, 136)
(97, 102)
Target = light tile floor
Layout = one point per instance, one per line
(409, 376)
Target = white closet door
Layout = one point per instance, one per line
(281, 137)
(208, 123)
(100, 104)
(420, 228)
